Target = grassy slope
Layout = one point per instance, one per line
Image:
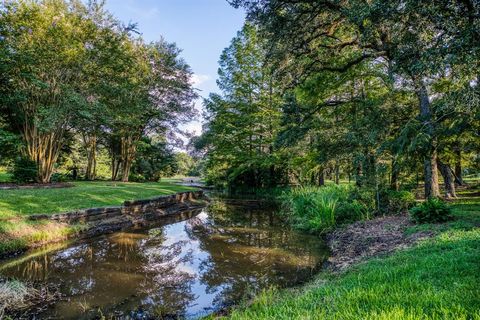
(83, 195)
(437, 279)
(17, 233)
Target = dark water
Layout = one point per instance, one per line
(187, 268)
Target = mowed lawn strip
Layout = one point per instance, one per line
(437, 279)
(21, 202)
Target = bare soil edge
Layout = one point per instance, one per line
(365, 239)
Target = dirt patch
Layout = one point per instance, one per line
(371, 238)
(8, 186)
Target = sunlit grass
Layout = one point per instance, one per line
(82, 195)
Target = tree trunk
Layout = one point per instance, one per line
(321, 177)
(394, 183)
(91, 144)
(449, 180)
(129, 149)
(430, 158)
(43, 149)
(458, 167)
(116, 163)
(337, 174)
(359, 175)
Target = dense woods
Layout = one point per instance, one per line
(383, 93)
(83, 91)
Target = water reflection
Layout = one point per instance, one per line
(188, 268)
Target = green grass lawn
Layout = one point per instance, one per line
(18, 233)
(19, 202)
(437, 279)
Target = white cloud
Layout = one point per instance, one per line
(198, 79)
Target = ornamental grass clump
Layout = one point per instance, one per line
(319, 209)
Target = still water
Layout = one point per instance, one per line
(211, 259)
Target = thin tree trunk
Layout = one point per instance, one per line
(359, 175)
(337, 173)
(115, 166)
(430, 159)
(43, 149)
(449, 180)
(321, 177)
(395, 174)
(458, 167)
(91, 143)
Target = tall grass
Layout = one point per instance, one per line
(319, 209)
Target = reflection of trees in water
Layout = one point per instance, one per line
(250, 250)
(232, 250)
(168, 289)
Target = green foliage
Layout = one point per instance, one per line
(154, 160)
(24, 170)
(186, 164)
(319, 209)
(71, 72)
(396, 202)
(242, 122)
(433, 210)
(10, 144)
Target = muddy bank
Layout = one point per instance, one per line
(365, 239)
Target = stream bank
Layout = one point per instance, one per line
(365, 239)
(87, 223)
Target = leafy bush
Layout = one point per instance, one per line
(396, 202)
(318, 209)
(135, 177)
(24, 170)
(59, 177)
(431, 211)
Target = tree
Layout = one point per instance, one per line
(42, 48)
(415, 39)
(243, 121)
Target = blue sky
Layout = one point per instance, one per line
(201, 28)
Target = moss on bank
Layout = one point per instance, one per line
(436, 279)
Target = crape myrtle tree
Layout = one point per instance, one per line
(155, 95)
(419, 41)
(43, 49)
(70, 68)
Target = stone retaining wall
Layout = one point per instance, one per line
(132, 214)
(165, 204)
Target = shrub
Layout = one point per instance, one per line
(431, 211)
(59, 177)
(396, 202)
(318, 209)
(24, 170)
(136, 177)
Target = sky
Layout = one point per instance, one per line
(201, 28)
